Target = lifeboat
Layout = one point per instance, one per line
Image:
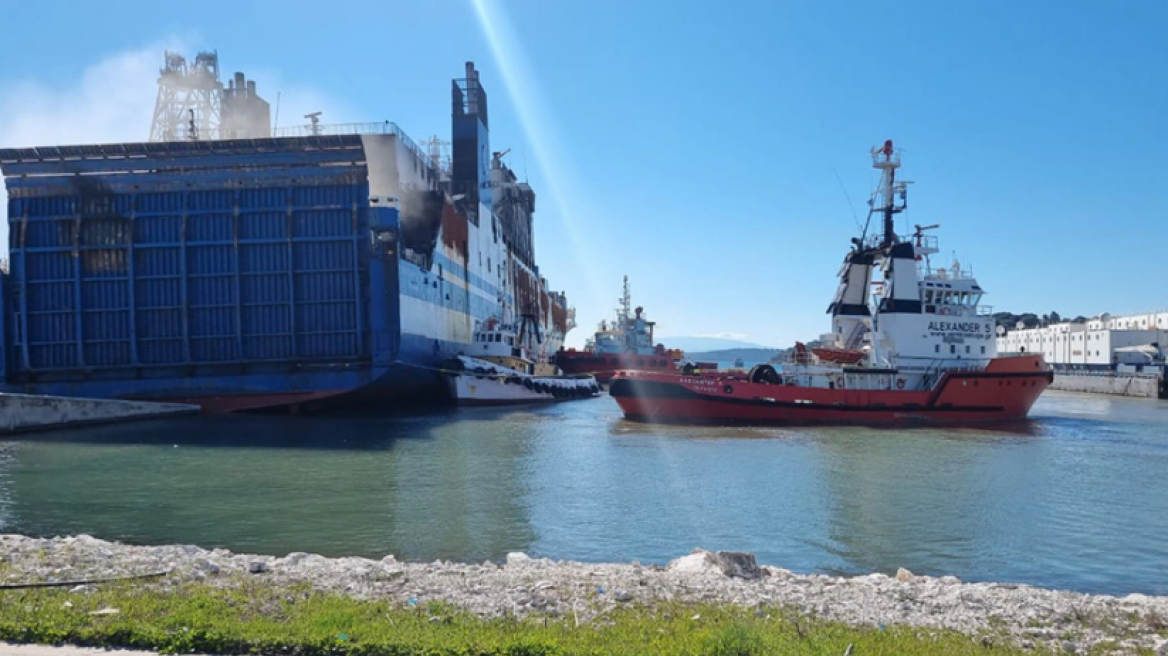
(842, 356)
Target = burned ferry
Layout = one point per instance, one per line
(239, 268)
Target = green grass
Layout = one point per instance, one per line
(256, 618)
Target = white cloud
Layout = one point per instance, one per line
(113, 101)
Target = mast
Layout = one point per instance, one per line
(626, 304)
(886, 160)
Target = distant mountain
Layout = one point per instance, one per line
(705, 344)
(727, 355)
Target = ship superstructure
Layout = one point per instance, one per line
(324, 261)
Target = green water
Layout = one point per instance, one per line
(1075, 498)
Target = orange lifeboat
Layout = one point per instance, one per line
(842, 356)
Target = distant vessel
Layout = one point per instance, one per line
(625, 344)
(739, 362)
(927, 348)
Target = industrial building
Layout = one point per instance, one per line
(1123, 344)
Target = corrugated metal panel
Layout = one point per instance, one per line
(166, 276)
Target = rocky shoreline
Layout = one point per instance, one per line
(1068, 622)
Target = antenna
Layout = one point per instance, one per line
(849, 199)
(276, 123)
(193, 128)
(315, 118)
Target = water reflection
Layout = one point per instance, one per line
(417, 486)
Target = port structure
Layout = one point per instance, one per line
(190, 95)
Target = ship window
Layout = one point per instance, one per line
(488, 265)
(439, 271)
(952, 348)
(967, 348)
(511, 342)
(983, 350)
(936, 348)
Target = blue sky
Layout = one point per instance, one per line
(695, 146)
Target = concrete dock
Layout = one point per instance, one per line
(1137, 385)
(29, 412)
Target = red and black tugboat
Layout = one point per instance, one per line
(922, 348)
(625, 344)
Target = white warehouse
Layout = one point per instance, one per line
(1124, 343)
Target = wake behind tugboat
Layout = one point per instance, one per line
(922, 350)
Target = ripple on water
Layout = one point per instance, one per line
(1073, 498)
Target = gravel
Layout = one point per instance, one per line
(1070, 622)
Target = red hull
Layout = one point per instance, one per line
(240, 402)
(604, 366)
(1004, 390)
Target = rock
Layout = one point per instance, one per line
(622, 595)
(1163, 650)
(518, 558)
(208, 565)
(257, 567)
(78, 589)
(699, 561)
(1069, 646)
(905, 576)
(738, 564)
(293, 559)
(949, 580)
(106, 611)
(777, 572)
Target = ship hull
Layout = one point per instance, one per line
(1001, 393)
(604, 366)
(473, 381)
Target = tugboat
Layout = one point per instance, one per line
(507, 368)
(926, 345)
(626, 344)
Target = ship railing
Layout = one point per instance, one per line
(985, 310)
(931, 368)
(880, 159)
(333, 129)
